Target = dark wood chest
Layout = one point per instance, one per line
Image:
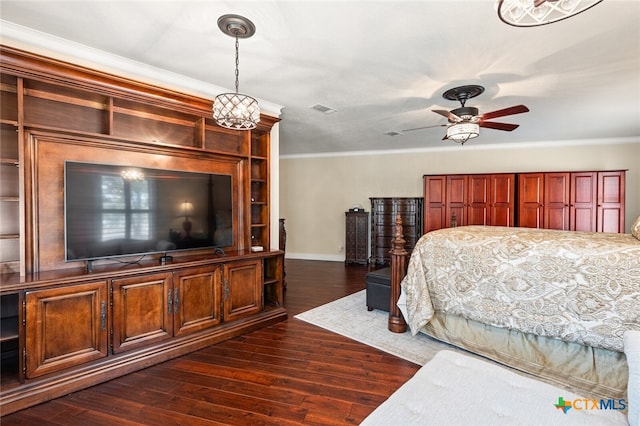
(383, 218)
(357, 237)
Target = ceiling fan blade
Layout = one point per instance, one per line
(498, 126)
(450, 116)
(425, 127)
(518, 109)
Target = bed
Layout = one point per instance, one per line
(555, 304)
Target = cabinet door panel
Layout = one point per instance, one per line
(556, 201)
(502, 200)
(142, 309)
(197, 299)
(611, 193)
(243, 289)
(65, 327)
(531, 200)
(478, 200)
(583, 203)
(434, 202)
(456, 200)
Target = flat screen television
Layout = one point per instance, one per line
(114, 210)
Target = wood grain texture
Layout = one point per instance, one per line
(286, 374)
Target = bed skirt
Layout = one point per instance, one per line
(592, 372)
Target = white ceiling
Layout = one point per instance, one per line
(382, 65)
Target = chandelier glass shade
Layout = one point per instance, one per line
(462, 132)
(235, 110)
(532, 13)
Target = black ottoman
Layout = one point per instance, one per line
(378, 289)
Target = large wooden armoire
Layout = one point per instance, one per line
(591, 201)
(472, 199)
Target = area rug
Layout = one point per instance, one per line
(349, 317)
(456, 389)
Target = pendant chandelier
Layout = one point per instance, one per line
(234, 110)
(532, 13)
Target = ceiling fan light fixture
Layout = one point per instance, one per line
(528, 13)
(462, 132)
(234, 110)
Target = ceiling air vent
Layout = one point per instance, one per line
(323, 108)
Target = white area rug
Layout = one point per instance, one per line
(455, 389)
(349, 317)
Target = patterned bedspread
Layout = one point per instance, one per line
(574, 286)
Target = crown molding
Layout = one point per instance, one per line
(44, 44)
(470, 147)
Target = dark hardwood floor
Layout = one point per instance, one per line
(285, 374)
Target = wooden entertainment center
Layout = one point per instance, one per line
(65, 326)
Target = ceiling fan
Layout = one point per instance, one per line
(465, 122)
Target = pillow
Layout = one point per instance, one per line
(635, 228)
(632, 351)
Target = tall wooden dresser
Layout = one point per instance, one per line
(357, 237)
(383, 218)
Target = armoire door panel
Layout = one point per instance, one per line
(436, 189)
(477, 215)
(583, 210)
(478, 189)
(501, 216)
(610, 220)
(456, 201)
(456, 215)
(556, 201)
(501, 204)
(611, 202)
(478, 200)
(434, 217)
(611, 187)
(531, 200)
(435, 214)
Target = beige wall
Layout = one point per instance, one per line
(315, 191)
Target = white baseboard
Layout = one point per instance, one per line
(315, 256)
